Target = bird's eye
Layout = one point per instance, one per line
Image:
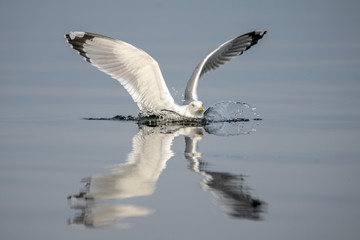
(193, 105)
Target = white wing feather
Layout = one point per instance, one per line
(137, 71)
(138, 176)
(224, 53)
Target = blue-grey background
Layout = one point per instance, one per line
(303, 77)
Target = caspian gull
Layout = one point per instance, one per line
(140, 74)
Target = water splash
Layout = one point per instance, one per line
(227, 118)
(230, 128)
(230, 111)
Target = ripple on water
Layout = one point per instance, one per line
(223, 118)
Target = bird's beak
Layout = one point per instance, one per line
(201, 108)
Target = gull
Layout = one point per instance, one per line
(141, 76)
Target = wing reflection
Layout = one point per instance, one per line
(135, 178)
(230, 189)
(97, 204)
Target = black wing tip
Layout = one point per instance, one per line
(81, 37)
(255, 37)
(251, 38)
(258, 34)
(77, 41)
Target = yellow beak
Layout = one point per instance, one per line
(201, 109)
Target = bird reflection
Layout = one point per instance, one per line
(229, 188)
(97, 204)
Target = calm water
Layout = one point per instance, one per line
(292, 175)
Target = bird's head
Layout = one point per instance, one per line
(196, 109)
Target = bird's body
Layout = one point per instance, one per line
(140, 74)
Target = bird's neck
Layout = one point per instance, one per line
(184, 110)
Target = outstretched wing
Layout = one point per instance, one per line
(138, 176)
(137, 71)
(224, 53)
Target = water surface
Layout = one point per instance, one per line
(292, 175)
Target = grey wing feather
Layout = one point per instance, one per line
(224, 53)
(137, 71)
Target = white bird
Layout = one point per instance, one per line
(140, 74)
